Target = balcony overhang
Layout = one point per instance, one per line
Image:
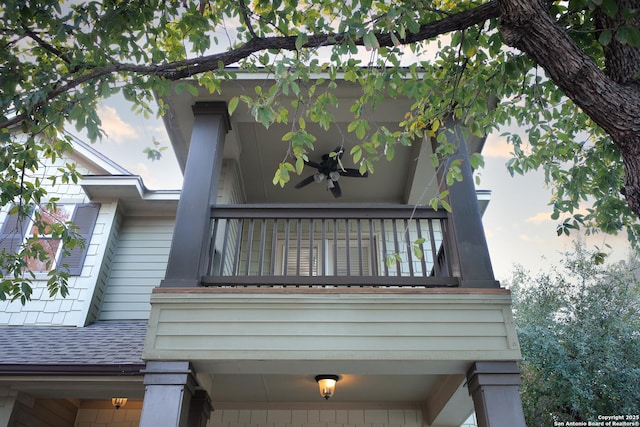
(258, 150)
(401, 347)
(346, 326)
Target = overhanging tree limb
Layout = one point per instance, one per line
(527, 26)
(177, 70)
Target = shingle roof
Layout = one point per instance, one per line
(101, 343)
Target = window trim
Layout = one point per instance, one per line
(14, 231)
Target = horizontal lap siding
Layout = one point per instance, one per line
(139, 264)
(257, 328)
(316, 418)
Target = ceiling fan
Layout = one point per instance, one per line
(329, 171)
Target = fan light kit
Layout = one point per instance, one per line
(330, 170)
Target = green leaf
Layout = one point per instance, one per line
(610, 7)
(192, 89)
(233, 104)
(301, 40)
(605, 37)
(370, 40)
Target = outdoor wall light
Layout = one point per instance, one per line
(118, 402)
(327, 384)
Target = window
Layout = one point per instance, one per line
(15, 231)
(303, 262)
(336, 259)
(51, 245)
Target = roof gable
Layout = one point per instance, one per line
(96, 162)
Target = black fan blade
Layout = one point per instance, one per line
(308, 180)
(354, 173)
(335, 190)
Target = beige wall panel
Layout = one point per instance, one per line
(421, 326)
(139, 264)
(316, 418)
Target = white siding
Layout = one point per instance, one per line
(129, 417)
(102, 414)
(230, 189)
(316, 418)
(139, 265)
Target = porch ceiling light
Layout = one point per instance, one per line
(327, 384)
(118, 402)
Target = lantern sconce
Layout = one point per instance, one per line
(118, 402)
(327, 384)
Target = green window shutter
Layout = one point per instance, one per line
(84, 218)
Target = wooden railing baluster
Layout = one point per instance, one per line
(354, 242)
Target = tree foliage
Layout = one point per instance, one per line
(579, 330)
(571, 82)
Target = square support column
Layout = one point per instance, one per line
(495, 389)
(169, 388)
(471, 262)
(189, 247)
(200, 409)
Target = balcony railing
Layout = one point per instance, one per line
(328, 246)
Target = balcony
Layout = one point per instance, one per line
(261, 297)
(329, 246)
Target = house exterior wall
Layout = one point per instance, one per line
(127, 257)
(141, 251)
(316, 418)
(129, 417)
(230, 186)
(434, 325)
(105, 270)
(102, 414)
(139, 263)
(74, 309)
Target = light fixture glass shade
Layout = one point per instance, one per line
(118, 402)
(327, 384)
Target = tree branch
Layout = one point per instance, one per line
(245, 16)
(46, 46)
(612, 105)
(528, 27)
(190, 67)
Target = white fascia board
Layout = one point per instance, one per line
(484, 197)
(83, 152)
(129, 189)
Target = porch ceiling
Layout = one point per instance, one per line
(259, 150)
(77, 387)
(228, 388)
(443, 399)
(262, 151)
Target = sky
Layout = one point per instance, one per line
(517, 222)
